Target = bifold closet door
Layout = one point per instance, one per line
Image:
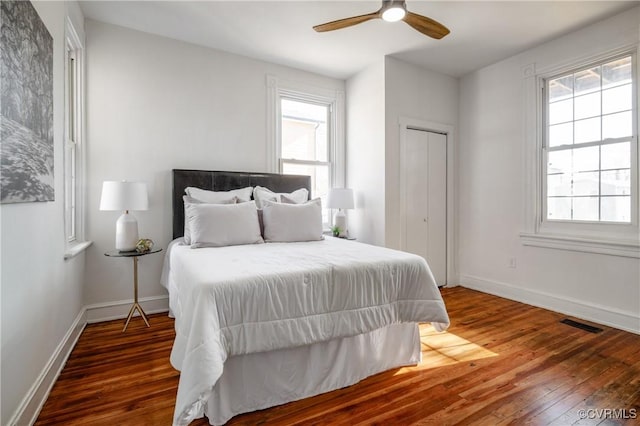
(424, 166)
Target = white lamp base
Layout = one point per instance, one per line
(340, 220)
(126, 232)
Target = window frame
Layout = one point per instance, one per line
(633, 140)
(334, 99)
(74, 136)
(70, 147)
(305, 98)
(612, 238)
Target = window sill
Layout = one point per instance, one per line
(622, 248)
(76, 249)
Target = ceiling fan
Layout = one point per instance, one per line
(391, 11)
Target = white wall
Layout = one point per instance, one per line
(602, 288)
(416, 93)
(365, 153)
(155, 104)
(377, 98)
(41, 292)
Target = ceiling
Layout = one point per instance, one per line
(482, 32)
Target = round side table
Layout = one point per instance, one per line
(134, 255)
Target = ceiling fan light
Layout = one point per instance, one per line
(393, 14)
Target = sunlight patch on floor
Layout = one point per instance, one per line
(445, 348)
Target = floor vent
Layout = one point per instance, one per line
(581, 326)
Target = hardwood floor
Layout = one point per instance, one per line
(501, 362)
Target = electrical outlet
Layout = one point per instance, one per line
(512, 262)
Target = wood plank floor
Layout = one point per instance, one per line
(500, 363)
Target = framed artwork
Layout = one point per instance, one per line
(26, 105)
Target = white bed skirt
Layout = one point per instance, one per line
(261, 380)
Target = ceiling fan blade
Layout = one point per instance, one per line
(347, 22)
(425, 25)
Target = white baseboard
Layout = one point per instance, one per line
(32, 403)
(29, 408)
(605, 315)
(120, 309)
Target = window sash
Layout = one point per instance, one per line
(327, 164)
(71, 186)
(633, 168)
(329, 121)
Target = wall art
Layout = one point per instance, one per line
(26, 105)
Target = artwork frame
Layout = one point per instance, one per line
(26, 105)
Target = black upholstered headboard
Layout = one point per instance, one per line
(225, 181)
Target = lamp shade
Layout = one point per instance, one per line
(122, 195)
(340, 198)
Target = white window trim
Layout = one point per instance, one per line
(602, 238)
(73, 42)
(276, 88)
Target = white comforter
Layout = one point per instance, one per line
(254, 298)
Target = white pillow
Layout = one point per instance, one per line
(243, 194)
(218, 225)
(292, 222)
(287, 199)
(189, 200)
(262, 194)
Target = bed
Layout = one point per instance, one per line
(259, 325)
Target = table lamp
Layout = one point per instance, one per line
(341, 199)
(125, 196)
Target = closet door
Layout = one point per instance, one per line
(424, 169)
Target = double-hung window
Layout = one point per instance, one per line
(590, 144)
(305, 143)
(71, 149)
(581, 170)
(306, 135)
(73, 144)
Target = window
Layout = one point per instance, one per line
(73, 148)
(305, 147)
(581, 151)
(306, 135)
(70, 163)
(589, 144)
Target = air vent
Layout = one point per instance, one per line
(581, 326)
